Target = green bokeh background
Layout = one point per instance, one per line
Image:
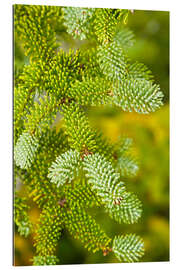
(151, 145)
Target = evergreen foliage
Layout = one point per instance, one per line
(25, 149)
(41, 115)
(126, 163)
(81, 195)
(140, 95)
(45, 260)
(112, 61)
(91, 91)
(128, 247)
(21, 216)
(38, 36)
(68, 170)
(65, 168)
(83, 227)
(48, 230)
(78, 130)
(77, 21)
(121, 205)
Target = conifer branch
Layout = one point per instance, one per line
(89, 64)
(112, 61)
(77, 128)
(81, 195)
(77, 21)
(83, 227)
(65, 168)
(45, 260)
(128, 248)
(51, 145)
(21, 216)
(41, 115)
(137, 95)
(105, 24)
(91, 91)
(34, 25)
(61, 70)
(124, 37)
(123, 206)
(25, 150)
(48, 230)
(139, 71)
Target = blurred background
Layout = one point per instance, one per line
(151, 145)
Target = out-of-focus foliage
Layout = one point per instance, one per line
(151, 139)
(152, 44)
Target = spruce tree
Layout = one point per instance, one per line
(69, 170)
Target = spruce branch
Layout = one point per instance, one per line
(112, 61)
(51, 145)
(61, 70)
(65, 168)
(124, 37)
(89, 63)
(41, 115)
(25, 150)
(34, 26)
(137, 95)
(45, 260)
(105, 23)
(128, 248)
(91, 91)
(139, 71)
(81, 195)
(48, 230)
(77, 128)
(83, 227)
(123, 206)
(77, 21)
(124, 145)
